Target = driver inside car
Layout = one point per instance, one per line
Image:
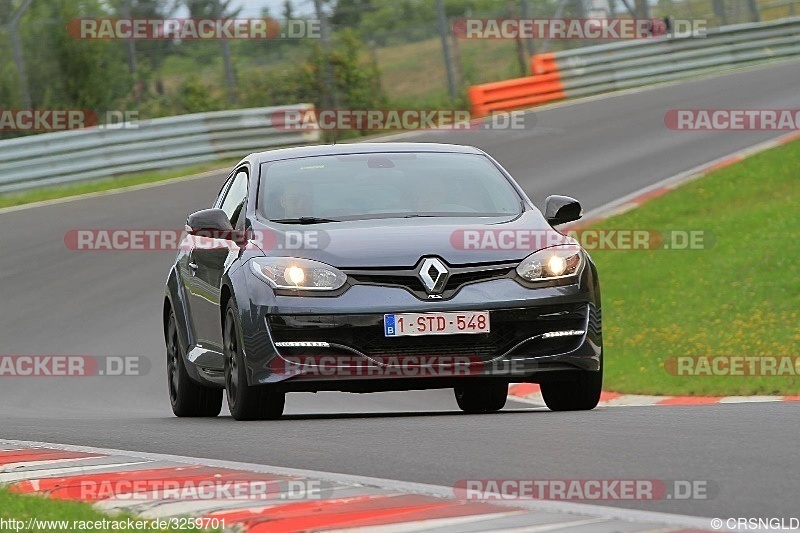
(297, 200)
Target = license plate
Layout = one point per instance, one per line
(415, 324)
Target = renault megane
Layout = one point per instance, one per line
(379, 267)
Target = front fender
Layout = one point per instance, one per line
(253, 335)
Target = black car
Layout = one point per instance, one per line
(379, 267)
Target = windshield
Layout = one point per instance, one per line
(385, 185)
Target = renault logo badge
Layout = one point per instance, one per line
(433, 274)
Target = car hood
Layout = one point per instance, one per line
(402, 242)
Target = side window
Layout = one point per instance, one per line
(235, 197)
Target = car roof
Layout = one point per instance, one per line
(360, 148)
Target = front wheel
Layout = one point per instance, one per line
(582, 393)
(245, 402)
(188, 398)
(477, 397)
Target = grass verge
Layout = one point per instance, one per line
(740, 296)
(76, 189)
(32, 513)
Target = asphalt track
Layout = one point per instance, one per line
(58, 301)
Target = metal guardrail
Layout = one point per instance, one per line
(625, 64)
(92, 153)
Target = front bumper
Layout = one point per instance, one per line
(345, 348)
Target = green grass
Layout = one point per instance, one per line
(23, 507)
(51, 193)
(740, 297)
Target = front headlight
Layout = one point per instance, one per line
(551, 263)
(297, 274)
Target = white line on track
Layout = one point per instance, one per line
(66, 471)
(9, 467)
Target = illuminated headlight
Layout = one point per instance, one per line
(551, 263)
(297, 274)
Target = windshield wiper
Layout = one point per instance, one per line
(305, 220)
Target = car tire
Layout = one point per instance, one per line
(481, 397)
(579, 394)
(246, 402)
(187, 397)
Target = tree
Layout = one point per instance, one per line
(151, 53)
(70, 73)
(219, 9)
(348, 13)
(288, 10)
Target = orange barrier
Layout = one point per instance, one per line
(513, 94)
(543, 64)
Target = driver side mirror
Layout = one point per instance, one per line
(213, 223)
(562, 209)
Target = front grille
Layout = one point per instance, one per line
(459, 279)
(411, 283)
(459, 276)
(364, 333)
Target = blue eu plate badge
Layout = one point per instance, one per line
(388, 326)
